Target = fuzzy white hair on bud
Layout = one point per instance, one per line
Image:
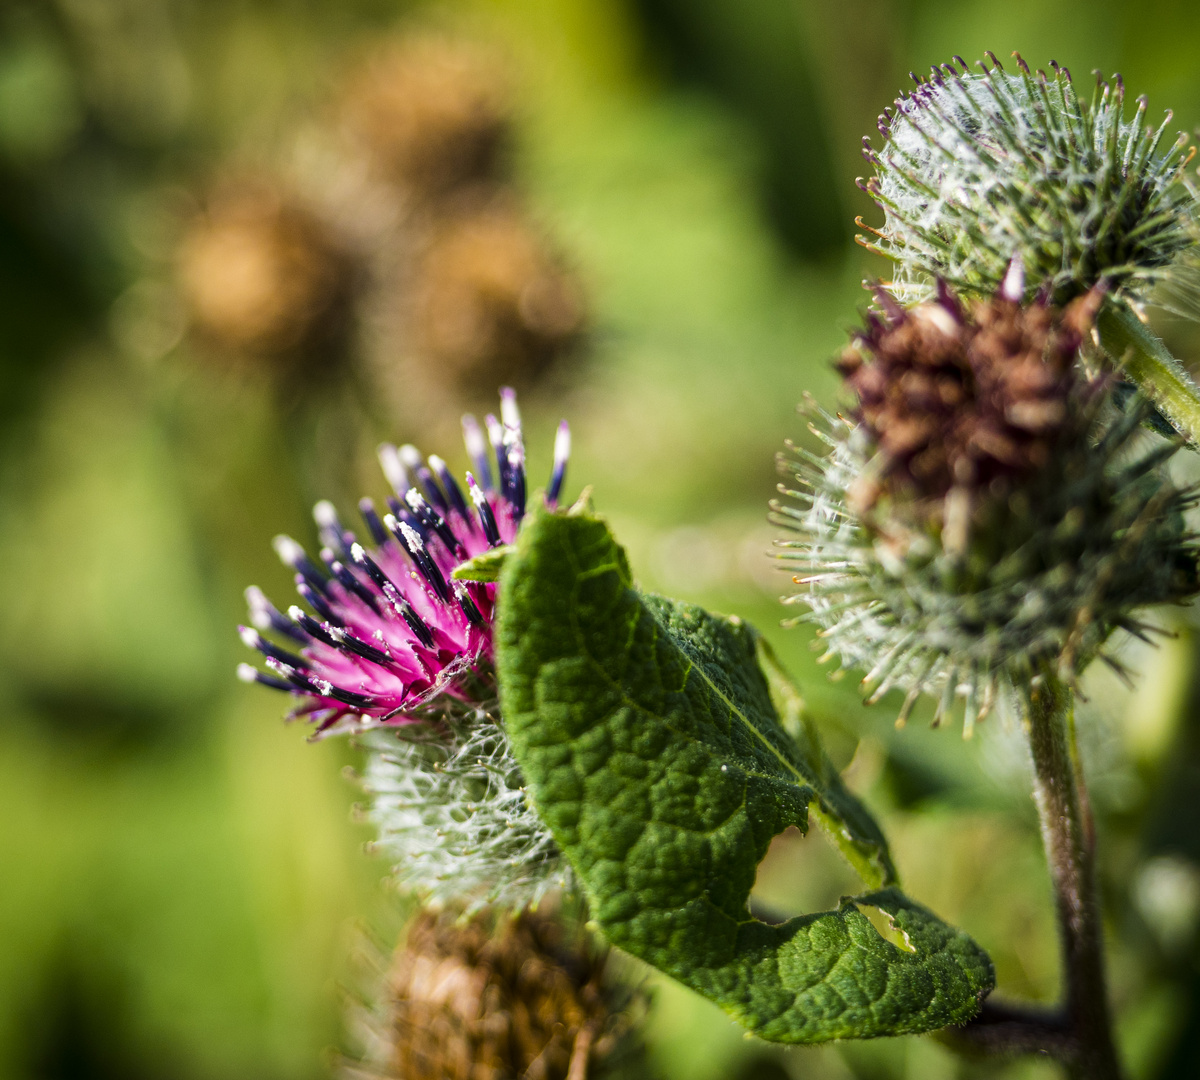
(492, 850)
(247, 673)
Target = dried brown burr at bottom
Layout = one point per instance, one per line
(497, 999)
(961, 400)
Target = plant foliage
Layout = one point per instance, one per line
(653, 747)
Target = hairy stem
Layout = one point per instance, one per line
(1067, 836)
(1146, 362)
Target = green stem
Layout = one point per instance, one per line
(1067, 836)
(1146, 361)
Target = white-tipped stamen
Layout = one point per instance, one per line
(411, 537)
(514, 447)
(473, 437)
(509, 413)
(290, 553)
(393, 468)
(247, 673)
(260, 607)
(1012, 288)
(325, 515)
(562, 444)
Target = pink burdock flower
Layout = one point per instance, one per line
(393, 648)
(388, 629)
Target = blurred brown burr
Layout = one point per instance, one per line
(431, 111)
(493, 302)
(497, 998)
(262, 274)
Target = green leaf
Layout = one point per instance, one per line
(484, 567)
(847, 822)
(654, 749)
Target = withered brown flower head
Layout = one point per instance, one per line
(497, 1001)
(962, 400)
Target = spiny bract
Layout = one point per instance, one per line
(977, 168)
(967, 592)
(449, 808)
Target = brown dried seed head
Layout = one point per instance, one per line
(964, 401)
(481, 1002)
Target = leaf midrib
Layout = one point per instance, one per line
(615, 567)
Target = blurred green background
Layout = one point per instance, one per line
(182, 888)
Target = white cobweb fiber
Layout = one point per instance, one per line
(447, 800)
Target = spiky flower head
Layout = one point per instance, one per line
(978, 167)
(393, 648)
(497, 999)
(962, 403)
(985, 510)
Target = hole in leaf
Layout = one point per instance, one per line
(801, 874)
(887, 929)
